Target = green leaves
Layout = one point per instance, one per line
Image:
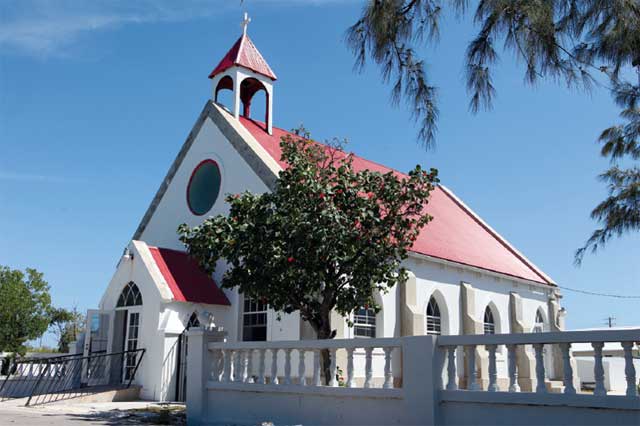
(25, 306)
(619, 213)
(328, 237)
(566, 41)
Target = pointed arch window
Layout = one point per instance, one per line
(364, 320)
(434, 319)
(193, 321)
(538, 327)
(130, 296)
(489, 322)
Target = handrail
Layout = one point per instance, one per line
(63, 374)
(589, 336)
(310, 344)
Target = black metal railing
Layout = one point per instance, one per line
(43, 380)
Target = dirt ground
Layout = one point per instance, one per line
(106, 413)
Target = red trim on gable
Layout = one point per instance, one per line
(455, 234)
(187, 282)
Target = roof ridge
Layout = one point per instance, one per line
(240, 47)
(506, 244)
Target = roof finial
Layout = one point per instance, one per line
(245, 23)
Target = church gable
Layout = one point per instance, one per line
(218, 158)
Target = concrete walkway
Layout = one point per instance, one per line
(101, 413)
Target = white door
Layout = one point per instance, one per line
(95, 366)
(131, 343)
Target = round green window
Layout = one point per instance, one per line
(204, 187)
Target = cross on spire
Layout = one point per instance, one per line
(245, 23)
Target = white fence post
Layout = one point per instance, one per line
(199, 371)
(419, 378)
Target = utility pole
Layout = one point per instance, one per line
(610, 321)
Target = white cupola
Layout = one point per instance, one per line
(244, 71)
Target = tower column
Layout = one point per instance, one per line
(269, 111)
(236, 95)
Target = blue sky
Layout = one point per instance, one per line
(96, 99)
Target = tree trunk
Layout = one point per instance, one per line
(323, 332)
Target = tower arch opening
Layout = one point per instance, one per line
(249, 88)
(225, 85)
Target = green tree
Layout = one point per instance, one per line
(66, 325)
(571, 41)
(25, 306)
(325, 239)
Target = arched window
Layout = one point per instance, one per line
(489, 322)
(193, 321)
(130, 296)
(364, 320)
(434, 320)
(538, 327)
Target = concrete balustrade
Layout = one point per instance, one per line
(627, 338)
(246, 362)
(403, 381)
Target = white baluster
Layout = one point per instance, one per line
(451, 368)
(261, 357)
(333, 369)
(248, 377)
(274, 366)
(216, 365)
(540, 387)
(349, 367)
(301, 368)
(388, 375)
(368, 370)
(629, 369)
(567, 379)
(513, 369)
(493, 372)
(287, 366)
(226, 375)
(472, 385)
(316, 368)
(238, 371)
(598, 369)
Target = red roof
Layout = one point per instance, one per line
(245, 54)
(187, 281)
(455, 234)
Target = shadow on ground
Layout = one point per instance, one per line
(147, 416)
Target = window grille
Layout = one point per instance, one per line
(130, 296)
(489, 322)
(254, 321)
(364, 323)
(434, 320)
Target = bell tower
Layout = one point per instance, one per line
(245, 72)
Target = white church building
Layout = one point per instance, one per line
(465, 277)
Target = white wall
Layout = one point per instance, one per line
(149, 337)
(444, 281)
(496, 413)
(615, 381)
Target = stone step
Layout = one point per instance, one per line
(554, 386)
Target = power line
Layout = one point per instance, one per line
(593, 293)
